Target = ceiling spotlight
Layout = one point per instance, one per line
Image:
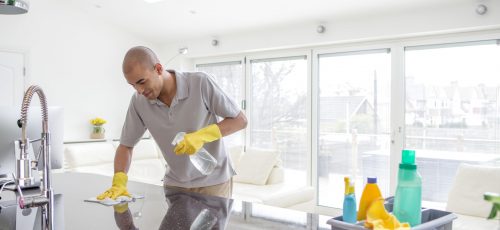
(183, 50)
(215, 42)
(481, 9)
(320, 29)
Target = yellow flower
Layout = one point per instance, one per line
(97, 121)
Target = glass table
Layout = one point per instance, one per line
(159, 209)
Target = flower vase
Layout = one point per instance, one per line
(97, 132)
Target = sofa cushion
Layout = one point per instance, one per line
(471, 182)
(276, 176)
(279, 195)
(85, 154)
(149, 171)
(289, 197)
(255, 166)
(144, 149)
(464, 222)
(235, 153)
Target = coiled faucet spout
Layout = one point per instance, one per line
(23, 177)
(25, 106)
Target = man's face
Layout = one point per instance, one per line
(145, 80)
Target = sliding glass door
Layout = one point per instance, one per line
(452, 110)
(442, 100)
(278, 112)
(353, 122)
(229, 76)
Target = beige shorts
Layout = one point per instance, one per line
(221, 190)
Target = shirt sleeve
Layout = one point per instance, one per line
(216, 100)
(134, 127)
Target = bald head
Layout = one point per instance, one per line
(139, 55)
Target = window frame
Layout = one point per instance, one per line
(340, 50)
(284, 54)
(397, 47)
(450, 42)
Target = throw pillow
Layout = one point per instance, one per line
(255, 166)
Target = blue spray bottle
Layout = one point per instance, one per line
(349, 214)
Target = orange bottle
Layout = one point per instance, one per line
(370, 193)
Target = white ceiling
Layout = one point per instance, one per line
(176, 20)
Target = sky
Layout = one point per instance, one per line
(469, 65)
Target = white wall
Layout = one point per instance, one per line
(76, 60)
(438, 19)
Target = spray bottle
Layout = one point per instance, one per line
(349, 207)
(201, 160)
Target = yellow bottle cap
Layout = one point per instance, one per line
(346, 185)
(351, 189)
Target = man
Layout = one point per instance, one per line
(168, 102)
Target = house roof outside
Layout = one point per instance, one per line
(339, 107)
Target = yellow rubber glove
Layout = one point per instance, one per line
(379, 219)
(119, 187)
(194, 141)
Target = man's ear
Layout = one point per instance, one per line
(159, 68)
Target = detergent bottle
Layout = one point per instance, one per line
(408, 198)
(349, 207)
(371, 192)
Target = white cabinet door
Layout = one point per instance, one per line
(11, 78)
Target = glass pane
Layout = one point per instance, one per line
(452, 111)
(278, 113)
(354, 123)
(230, 78)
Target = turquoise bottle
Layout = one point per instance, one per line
(349, 213)
(408, 198)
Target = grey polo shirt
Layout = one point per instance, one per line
(199, 102)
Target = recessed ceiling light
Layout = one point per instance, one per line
(192, 12)
(153, 1)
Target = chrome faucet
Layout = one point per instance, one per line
(45, 200)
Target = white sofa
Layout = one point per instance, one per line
(260, 177)
(466, 196)
(148, 165)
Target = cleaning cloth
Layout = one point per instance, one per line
(118, 200)
(379, 219)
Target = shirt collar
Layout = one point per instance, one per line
(182, 88)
